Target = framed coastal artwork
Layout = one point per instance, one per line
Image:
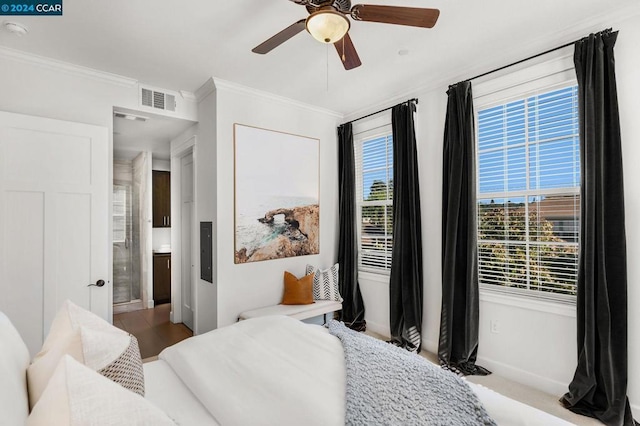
(277, 181)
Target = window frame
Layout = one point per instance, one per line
(382, 130)
(542, 78)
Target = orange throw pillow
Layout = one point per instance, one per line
(297, 291)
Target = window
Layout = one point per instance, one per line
(119, 213)
(374, 200)
(528, 193)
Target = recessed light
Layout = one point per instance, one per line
(403, 52)
(128, 116)
(16, 28)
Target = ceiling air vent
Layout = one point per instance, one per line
(159, 100)
(170, 102)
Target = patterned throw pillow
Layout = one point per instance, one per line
(325, 283)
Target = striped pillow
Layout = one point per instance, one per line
(325, 283)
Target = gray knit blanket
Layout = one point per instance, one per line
(387, 385)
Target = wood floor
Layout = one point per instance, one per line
(152, 328)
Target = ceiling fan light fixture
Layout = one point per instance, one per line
(327, 25)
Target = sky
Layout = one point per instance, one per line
(377, 155)
(549, 123)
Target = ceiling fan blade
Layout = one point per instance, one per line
(279, 38)
(347, 53)
(412, 16)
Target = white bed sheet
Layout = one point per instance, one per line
(277, 370)
(166, 391)
(271, 370)
(509, 412)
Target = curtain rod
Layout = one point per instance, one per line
(533, 56)
(382, 110)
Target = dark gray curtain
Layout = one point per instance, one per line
(458, 346)
(405, 283)
(352, 313)
(599, 386)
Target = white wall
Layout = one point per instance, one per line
(162, 165)
(206, 196)
(627, 66)
(535, 343)
(180, 145)
(252, 285)
(43, 91)
(38, 86)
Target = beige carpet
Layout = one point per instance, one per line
(519, 392)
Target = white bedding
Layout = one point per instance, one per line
(506, 411)
(265, 371)
(277, 370)
(166, 391)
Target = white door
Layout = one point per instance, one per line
(186, 232)
(53, 220)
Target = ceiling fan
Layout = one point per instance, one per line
(328, 23)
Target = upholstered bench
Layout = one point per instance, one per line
(300, 312)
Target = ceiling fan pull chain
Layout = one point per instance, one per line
(327, 61)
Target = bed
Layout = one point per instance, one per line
(263, 371)
(276, 370)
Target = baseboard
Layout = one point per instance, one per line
(510, 372)
(635, 409)
(383, 330)
(430, 346)
(171, 317)
(150, 304)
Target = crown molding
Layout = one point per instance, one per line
(66, 67)
(541, 43)
(190, 96)
(205, 90)
(238, 88)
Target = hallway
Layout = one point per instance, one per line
(152, 328)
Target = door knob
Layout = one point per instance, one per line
(99, 283)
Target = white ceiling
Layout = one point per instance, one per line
(179, 45)
(154, 135)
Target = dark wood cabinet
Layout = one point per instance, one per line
(161, 199)
(161, 278)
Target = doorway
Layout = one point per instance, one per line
(142, 148)
(186, 237)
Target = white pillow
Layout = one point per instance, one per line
(112, 353)
(78, 396)
(325, 283)
(66, 322)
(14, 360)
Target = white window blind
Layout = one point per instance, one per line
(528, 194)
(374, 201)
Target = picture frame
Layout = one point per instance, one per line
(276, 194)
